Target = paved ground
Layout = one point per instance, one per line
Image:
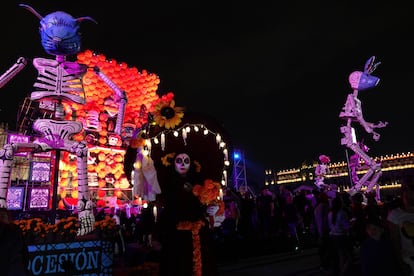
(236, 258)
(304, 263)
(138, 260)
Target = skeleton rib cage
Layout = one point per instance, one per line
(59, 80)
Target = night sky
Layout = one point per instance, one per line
(275, 75)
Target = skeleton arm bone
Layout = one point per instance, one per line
(13, 71)
(369, 127)
(121, 98)
(353, 111)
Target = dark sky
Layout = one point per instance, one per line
(274, 73)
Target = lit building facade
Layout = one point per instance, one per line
(393, 167)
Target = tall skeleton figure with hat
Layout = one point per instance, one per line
(352, 113)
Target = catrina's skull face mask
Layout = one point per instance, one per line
(182, 163)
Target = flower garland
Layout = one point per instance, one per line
(194, 227)
(37, 231)
(106, 228)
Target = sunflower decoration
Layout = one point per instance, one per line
(166, 160)
(166, 114)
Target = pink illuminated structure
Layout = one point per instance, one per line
(60, 82)
(351, 114)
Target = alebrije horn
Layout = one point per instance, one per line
(29, 8)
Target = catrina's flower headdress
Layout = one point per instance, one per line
(168, 159)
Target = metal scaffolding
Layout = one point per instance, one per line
(239, 171)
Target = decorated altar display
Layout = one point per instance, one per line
(85, 125)
(95, 104)
(101, 140)
(107, 147)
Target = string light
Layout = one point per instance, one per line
(184, 134)
(184, 130)
(162, 141)
(218, 138)
(226, 154)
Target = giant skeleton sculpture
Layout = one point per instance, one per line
(352, 113)
(58, 81)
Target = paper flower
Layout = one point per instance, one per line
(168, 115)
(208, 193)
(166, 160)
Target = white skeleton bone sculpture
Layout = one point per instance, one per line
(58, 81)
(352, 113)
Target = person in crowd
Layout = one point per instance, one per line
(284, 192)
(372, 208)
(358, 232)
(232, 207)
(246, 228)
(290, 216)
(119, 239)
(401, 227)
(302, 207)
(147, 224)
(14, 255)
(376, 252)
(265, 213)
(339, 225)
(321, 212)
(184, 232)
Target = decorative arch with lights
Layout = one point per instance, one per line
(196, 134)
(201, 135)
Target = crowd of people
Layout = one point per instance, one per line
(339, 225)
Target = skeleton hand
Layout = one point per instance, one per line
(380, 124)
(375, 136)
(212, 210)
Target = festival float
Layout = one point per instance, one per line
(70, 153)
